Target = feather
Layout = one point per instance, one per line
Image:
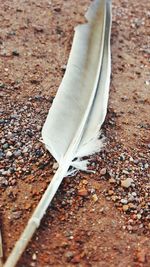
(77, 113)
(71, 130)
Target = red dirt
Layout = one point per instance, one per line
(78, 229)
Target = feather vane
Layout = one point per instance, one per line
(72, 127)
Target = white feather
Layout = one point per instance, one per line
(79, 108)
(71, 130)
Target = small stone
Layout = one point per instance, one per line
(95, 198)
(34, 257)
(112, 181)
(39, 127)
(131, 199)
(19, 144)
(55, 165)
(9, 154)
(122, 157)
(114, 198)
(110, 192)
(3, 181)
(127, 183)
(25, 149)
(3, 141)
(103, 171)
(69, 255)
(138, 216)
(76, 259)
(146, 166)
(2, 85)
(125, 208)
(92, 190)
(13, 182)
(1, 154)
(134, 194)
(2, 121)
(27, 206)
(147, 82)
(5, 173)
(17, 153)
(132, 206)
(124, 201)
(85, 182)
(129, 227)
(125, 172)
(5, 146)
(38, 29)
(82, 192)
(102, 210)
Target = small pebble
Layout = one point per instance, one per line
(5, 146)
(9, 154)
(25, 149)
(129, 227)
(55, 165)
(34, 257)
(103, 171)
(124, 201)
(3, 140)
(3, 181)
(39, 127)
(147, 82)
(127, 183)
(122, 157)
(134, 194)
(82, 192)
(114, 198)
(69, 255)
(95, 198)
(110, 192)
(146, 166)
(17, 153)
(112, 181)
(138, 216)
(132, 206)
(125, 208)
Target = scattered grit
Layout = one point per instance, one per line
(122, 168)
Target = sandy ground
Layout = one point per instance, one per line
(93, 220)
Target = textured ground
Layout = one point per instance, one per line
(95, 220)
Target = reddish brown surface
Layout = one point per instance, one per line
(77, 229)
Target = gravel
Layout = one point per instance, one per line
(122, 168)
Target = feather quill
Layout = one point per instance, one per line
(71, 130)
